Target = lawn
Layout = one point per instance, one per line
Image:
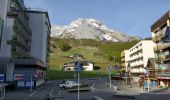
(57, 60)
(55, 74)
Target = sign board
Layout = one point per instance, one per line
(29, 83)
(109, 69)
(78, 67)
(2, 77)
(18, 76)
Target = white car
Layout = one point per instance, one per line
(67, 84)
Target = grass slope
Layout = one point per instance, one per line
(101, 53)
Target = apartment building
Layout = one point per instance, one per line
(161, 36)
(24, 44)
(138, 58)
(124, 59)
(41, 29)
(16, 35)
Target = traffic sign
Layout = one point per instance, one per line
(78, 66)
(2, 77)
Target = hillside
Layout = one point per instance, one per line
(101, 53)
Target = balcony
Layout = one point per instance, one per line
(163, 58)
(155, 38)
(20, 29)
(19, 6)
(123, 60)
(161, 46)
(158, 36)
(18, 42)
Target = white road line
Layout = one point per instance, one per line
(59, 92)
(33, 93)
(52, 89)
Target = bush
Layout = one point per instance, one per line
(64, 46)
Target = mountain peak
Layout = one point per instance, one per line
(89, 29)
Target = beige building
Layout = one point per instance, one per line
(125, 59)
(136, 58)
(161, 36)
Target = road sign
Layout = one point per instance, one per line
(78, 66)
(18, 76)
(2, 77)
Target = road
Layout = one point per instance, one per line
(98, 88)
(39, 94)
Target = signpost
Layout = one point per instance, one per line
(126, 76)
(78, 68)
(109, 71)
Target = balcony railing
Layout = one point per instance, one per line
(21, 29)
(159, 35)
(123, 60)
(20, 6)
(162, 46)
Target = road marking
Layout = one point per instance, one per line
(59, 92)
(33, 93)
(53, 88)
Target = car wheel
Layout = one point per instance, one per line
(63, 87)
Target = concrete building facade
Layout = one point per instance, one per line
(41, 28)
(137, 58)
(15, 36)
(161, 36)
(125, 59)
(24, 44)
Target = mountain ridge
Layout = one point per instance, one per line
(90, 29)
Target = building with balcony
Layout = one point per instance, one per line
(124, 59)
(15, 35)
(24, 44)
(161, 36)
(138, 58)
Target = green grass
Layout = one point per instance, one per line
(58, 60)
(54, 74)
(100, 53)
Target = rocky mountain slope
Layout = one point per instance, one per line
(90, 29)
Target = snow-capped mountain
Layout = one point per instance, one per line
(89, 29)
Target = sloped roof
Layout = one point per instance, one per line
(151, 61)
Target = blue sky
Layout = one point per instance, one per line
(130, 16)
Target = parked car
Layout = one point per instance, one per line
(67, 84)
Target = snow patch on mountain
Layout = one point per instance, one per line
(89, 29)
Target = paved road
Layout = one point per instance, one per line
(39, 94)
(98, 88)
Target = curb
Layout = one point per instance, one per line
(124, 96)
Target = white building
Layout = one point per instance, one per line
(125, 59)
(138, 57)
(41, 29)
(87, 66)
